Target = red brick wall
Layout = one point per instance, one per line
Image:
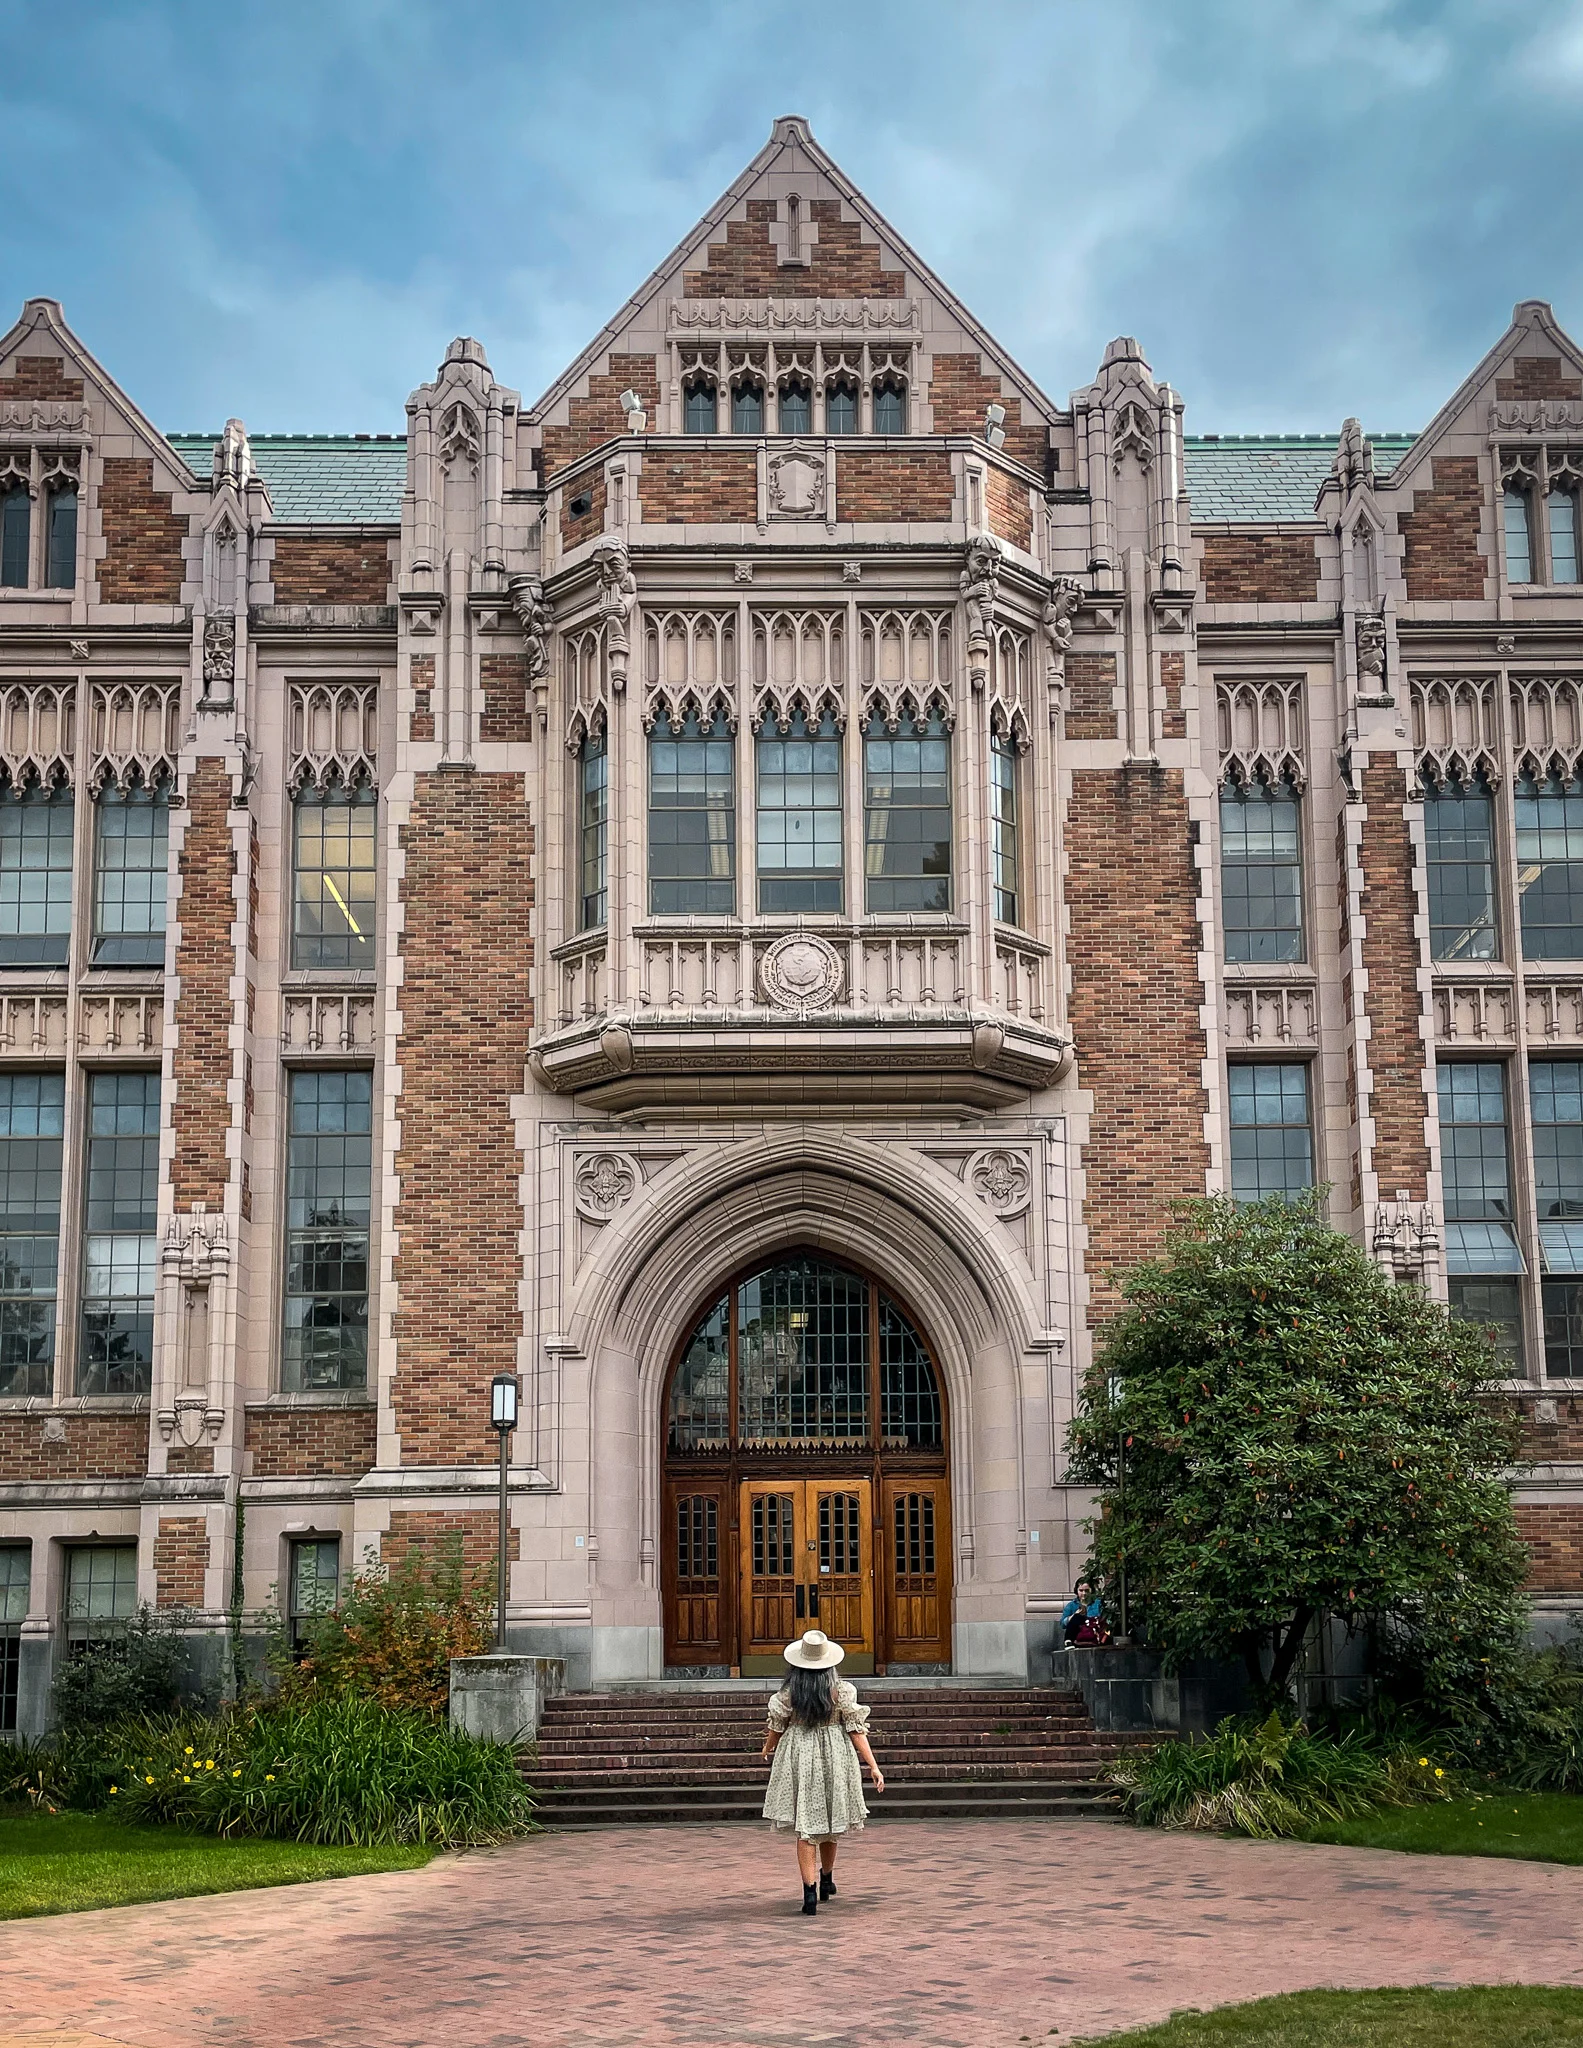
(1550, 1443)
(700, 486)
(1443, 559)
(959, 390)
(181, 1556)
(1390, 954)
(205, 962)
(324, 1442)
(1135, 1000)
(1554, 1535)
(413, 1531)
(466, 1011)
(1260, 568)
(599, 417)
(187, 1459)
(1538, 377)
(40, 377)
(1090, 679)
(143, 536)
(318, 568)
(96, 1447)
(586, 525)
(1010, 514)
(423, 697)
(1173, 680)
(878, 483)
(841, 264)
(504, 678)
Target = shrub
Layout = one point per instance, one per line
(331, 1769)
(394, 1634)
(139, 1670)
(1268, 1779)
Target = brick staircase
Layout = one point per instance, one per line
(685, 1755)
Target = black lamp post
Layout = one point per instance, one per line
(503, 1418)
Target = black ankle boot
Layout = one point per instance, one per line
(810, 1898)
(826, 1884)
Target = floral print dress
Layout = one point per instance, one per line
(816, 1788)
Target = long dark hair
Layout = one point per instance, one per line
(812, 1696)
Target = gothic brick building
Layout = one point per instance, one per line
(740, 892)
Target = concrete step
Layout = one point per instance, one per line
(1023, 1800)
(966, 1770)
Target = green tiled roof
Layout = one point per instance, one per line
(355, 478)
(1270, 476)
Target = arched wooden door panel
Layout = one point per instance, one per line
(805, 1477)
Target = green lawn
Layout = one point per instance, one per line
(67, 1862)
(1514, 2016)
(1546, 1827)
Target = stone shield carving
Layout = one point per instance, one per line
(1002, 1181)
(795, 484)
(602, 1183)
(801, 972)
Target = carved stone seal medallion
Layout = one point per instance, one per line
(1001, 1180)
(602, 1183)
(801, 972)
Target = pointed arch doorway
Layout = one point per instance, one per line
(805, 1476)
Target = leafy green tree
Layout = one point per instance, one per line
(1277, 1433)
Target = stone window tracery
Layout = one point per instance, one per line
(1540, 488)
(905, 669)
(690, 669)
(38, 554)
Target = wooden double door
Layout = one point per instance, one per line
(752, 1563)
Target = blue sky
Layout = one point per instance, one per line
(283, 211)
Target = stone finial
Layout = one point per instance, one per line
(1353, 462)
(233, 456)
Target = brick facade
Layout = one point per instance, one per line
(1260, 568)
(1553, 1531)
(324, 1442)
(886, 484)
(1010, 514)
(1551, 1443)
(189, 1459)
(840, 264)
(416, 1532)
(1090, 704)
(1390, 954)
(466, 1014)
(1537, 377)
(327, 568)
(205, 964)
(506, 713)
(1173, 681)
(40, 377)
(701, 487)
(1135, 992)
(1443, 557)
(422, 727)
(576, 527)
(93, 1446)
(143, 536)
(181, 1557)
(598, 416)
(959, 391)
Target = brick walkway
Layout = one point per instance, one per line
(967, 1934)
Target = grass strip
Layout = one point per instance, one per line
(1542, 1827)
(73, 1862)
(1479, 2016)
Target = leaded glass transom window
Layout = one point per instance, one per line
(808, 1347)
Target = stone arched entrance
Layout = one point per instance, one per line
(805, 1480)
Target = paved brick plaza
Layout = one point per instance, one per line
(960, 1935)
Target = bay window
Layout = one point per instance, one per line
(692, 821)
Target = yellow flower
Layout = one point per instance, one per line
(269, 1777)
(186, 1781)
(113, 1790)
(1424, 1761)
(208, 1763)
(1438, 1772)
(188, 1750)
(148, 1781)
(236, 1774)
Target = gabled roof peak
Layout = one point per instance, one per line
(791, 128)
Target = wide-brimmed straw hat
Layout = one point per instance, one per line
(814, 1651)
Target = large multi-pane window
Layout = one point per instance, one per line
(16, 533)
(101, 1593)
(119, 1234)
(60, 539)
(593, 783)
(840, 409)
(1004, 826)
(796, 409)
(1272, 1142)
(1459, 834)
(907, 818)
(799, 817)
(698, 408)
(1555, 1094)
(1483, 1263)
(1519, 537)
(692, 821)
(333, 917)
(747, 409)
(15, 1560)
(329, 1152)
(890, 408)
(129, 884)
(1562, 510)
(1549, 818)
(314, 1585)
(35, 876)
(32, 1124)
(1261, 871)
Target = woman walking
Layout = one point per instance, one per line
(816, 1733)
